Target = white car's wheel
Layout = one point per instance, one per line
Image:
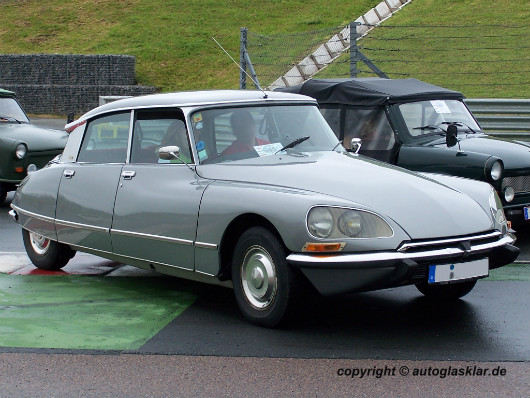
(45, 253)
(447, 292)
(264, 284)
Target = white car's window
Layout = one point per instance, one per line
(155, 129)
(106, 139)
(239, 133)
(10, 109)
(431, 117)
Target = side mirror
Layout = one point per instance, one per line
(169, 152)
(356, 145)
(450, 136)
(70, 118)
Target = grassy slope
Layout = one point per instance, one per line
(172, 38)
(444, 66)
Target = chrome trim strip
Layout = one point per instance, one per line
(204, 245)
(31, 214)
(81, 226)
(407, 246)
(204, 273)
(344, 259)
(154, 237)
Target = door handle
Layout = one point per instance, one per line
(68, 173)
(128, 175)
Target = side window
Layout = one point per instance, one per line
(371, 126)
(156, 129)
(106, 140)
(332, 116)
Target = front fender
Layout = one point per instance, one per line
(448, 161)
(286, 209)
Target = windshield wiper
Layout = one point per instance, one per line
(293, 144)
(428, 127)
(10, 118)
(461, 124)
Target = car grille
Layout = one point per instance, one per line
(417, 246)
(519, 183)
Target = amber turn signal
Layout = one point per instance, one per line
(323, 247)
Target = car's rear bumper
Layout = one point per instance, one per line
(342, 273)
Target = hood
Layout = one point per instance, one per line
(423, 207)
(514, 154)
(36, 138)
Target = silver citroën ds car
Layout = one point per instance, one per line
(253, 190)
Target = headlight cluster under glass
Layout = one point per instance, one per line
(498, 213)
(337, 222)
(20, 151)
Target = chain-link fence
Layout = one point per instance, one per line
(479, 60)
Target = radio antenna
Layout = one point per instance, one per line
(239, 66)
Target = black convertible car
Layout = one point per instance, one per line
(425, 128)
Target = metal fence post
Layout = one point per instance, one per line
(243, 59)
(354, 49)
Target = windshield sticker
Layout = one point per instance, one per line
(440, 107)
(268, 149)
(197, 118)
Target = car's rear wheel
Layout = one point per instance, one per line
(447, 292)
(264, 284)
(45, 253)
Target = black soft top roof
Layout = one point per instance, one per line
(370, 92)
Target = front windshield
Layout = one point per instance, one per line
(433, 117)
(228, 134)
(10, 111)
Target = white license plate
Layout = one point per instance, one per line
(458, 271)
(526, 211)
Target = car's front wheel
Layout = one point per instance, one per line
(264, 284)
(45, 253)
(450, 291)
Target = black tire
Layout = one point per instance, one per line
(45, 253)
(264, 284)
(451, 291)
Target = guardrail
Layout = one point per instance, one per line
(506, 117)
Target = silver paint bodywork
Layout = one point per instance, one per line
(175, 218)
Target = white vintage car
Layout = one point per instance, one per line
(253, 190)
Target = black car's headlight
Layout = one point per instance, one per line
(327, 222)
(494, 169)
(497, 212)
(21, 151)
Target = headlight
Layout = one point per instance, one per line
(340, 223)
(21, 151)
(509, 194)
(499, 219)
(495, 171)
(320, 222)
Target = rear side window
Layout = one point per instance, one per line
(106, 140)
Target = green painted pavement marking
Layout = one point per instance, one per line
(511, 272)
(86, 312)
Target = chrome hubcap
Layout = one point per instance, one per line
(39, 243)
(258, 277)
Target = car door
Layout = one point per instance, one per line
(157, 202)
(87, 189)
